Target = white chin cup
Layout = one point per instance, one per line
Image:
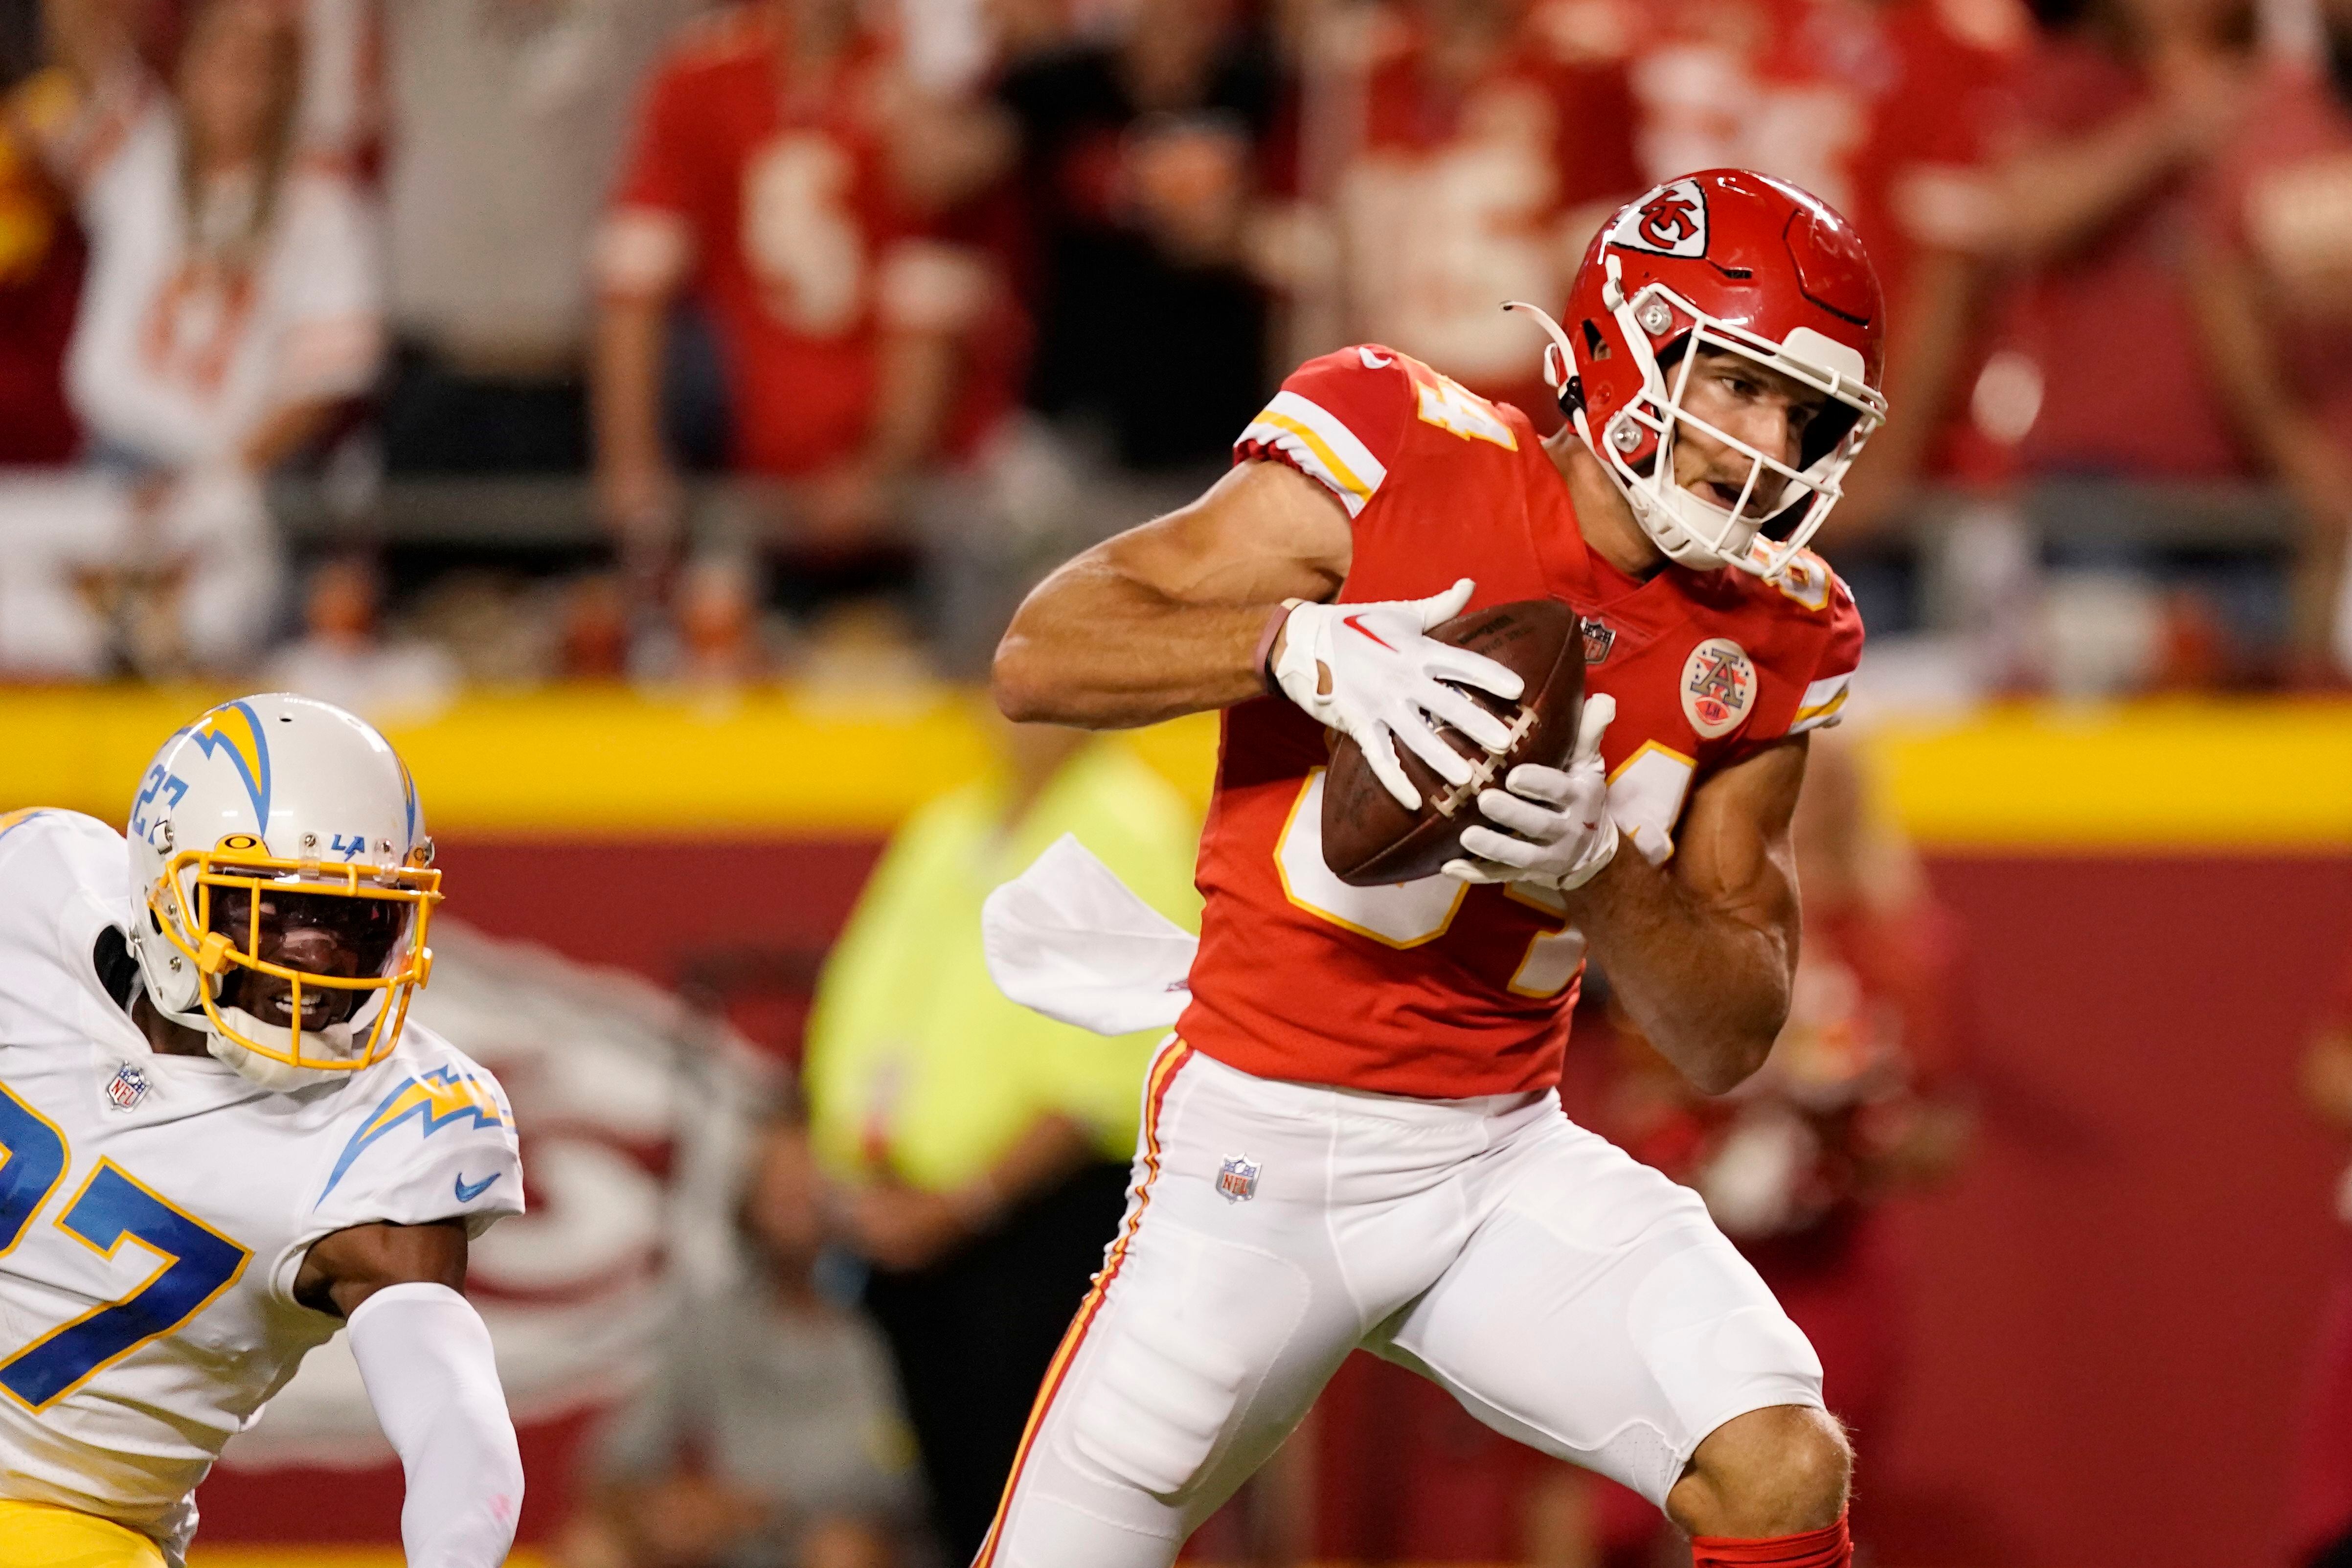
(1692, 532)
(269, 1072)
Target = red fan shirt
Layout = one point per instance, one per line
(1887, 109)
(1434, 988)
(2279, 198)
(1457, 195)
(778, 210)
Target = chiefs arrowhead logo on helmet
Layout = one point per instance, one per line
(1669, 221)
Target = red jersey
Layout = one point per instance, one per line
(1434, 988)
(1457, 196)
(2114, 312)
(783, 214)
(2277, 199)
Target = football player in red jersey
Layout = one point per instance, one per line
(1355, 1138)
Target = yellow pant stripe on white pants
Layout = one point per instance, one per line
(34, 1535)
(1569, 1297)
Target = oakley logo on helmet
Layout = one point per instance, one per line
(1669, 221)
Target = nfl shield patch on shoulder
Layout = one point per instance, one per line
(1237, 1179)
(127, 1087)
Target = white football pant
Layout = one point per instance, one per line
(1567, 1296)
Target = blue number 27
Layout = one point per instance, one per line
(196, 1263)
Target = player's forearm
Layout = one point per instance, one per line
(427, 1360)
(2055, 196)
(1096, 648)
(1707, 985)
(917, 381)
(626, 383)
(1171, 618)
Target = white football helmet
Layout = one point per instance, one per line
(283, 882)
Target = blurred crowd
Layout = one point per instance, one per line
(820, 327)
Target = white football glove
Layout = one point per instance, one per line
(1368, 671)
(1561, 833)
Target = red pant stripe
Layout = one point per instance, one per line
(1163, 1074)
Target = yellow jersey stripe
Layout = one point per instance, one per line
(1821, 709)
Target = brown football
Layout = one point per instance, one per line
(1369, 839)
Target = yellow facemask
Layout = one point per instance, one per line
(239, 862)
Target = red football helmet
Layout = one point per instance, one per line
(1737, 262)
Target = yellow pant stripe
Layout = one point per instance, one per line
(35, 1535)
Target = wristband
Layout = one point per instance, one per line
(1266, 641)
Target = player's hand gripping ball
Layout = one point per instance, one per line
(1561, 833)
(1371, 835)
(1371, 672)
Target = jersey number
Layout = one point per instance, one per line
(1406, 914)
(1645, 796)
(1447, 403)
(195, 1262)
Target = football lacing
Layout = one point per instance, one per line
(1482, 772)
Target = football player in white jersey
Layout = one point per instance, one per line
(220, 1144)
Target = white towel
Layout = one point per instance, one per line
(1067, 937)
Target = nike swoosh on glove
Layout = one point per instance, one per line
(1561, 834)
(1368, 672)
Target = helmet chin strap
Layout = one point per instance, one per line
(267, 1071)
(1560, 341)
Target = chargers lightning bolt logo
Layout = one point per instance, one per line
(442, 1097)
(235, 728)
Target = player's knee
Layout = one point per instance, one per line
(1775, 1471)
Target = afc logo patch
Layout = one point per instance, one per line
(1237, 1179)
(1669, 221)
(1718, 686)
(127, 1087)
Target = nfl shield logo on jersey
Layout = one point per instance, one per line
(127, 1087)
(1237, 1179)
(1598, 635)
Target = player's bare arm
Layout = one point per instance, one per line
(1169, 618)
(342, 1270)
(1202, 608)
(1702, 949)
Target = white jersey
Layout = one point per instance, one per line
(154, 1209)
(179, 362)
